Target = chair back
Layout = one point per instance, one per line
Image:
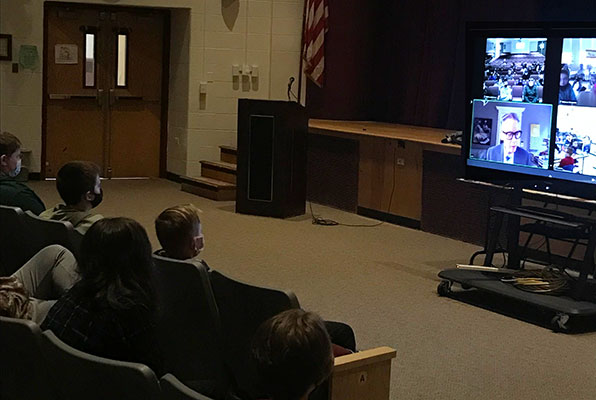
(517, 91)
(585, 99)
(188, 326)
(173, 389)
(13, 240)
(242, 309)
(540, 91)
(493, 91)
(78, 375)
(47, 232)
(23, 374)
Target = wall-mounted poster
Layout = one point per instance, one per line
(66, 54)
(28, 56)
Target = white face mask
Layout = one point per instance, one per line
(16, 171)
(198, 246)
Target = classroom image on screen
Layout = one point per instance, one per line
(514, 69)
(575, 141)
(577, 82)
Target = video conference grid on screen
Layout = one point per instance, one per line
(576, 115)
(514, 75)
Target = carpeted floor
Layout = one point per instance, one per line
(382, 281)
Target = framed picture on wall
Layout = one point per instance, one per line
(5, 47)
(483, 128)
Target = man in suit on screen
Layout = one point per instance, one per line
(508, 151)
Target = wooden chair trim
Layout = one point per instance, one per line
(363, 358)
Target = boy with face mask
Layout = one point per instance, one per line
(179, 232)
(13, 193)
(79, 186)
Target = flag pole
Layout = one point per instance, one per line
(301, 52)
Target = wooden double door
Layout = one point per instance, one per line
(103, 88)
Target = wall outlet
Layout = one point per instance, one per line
(401, 162)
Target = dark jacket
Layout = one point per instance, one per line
(90, 325)
(566, 93)
(520, 156)
(530, 94)
(17, 194)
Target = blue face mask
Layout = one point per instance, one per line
(15, 171)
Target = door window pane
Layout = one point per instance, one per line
(122, 49)
(89, 60)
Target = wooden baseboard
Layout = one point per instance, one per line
(391, 218)
(173, 177)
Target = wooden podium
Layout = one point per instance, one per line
(271, 170)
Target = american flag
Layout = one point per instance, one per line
(315, 27)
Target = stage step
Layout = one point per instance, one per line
(219, 170)
(228, 154)
(213, 189)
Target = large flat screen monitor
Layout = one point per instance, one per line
(532, 105)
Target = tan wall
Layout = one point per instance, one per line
(208, 37)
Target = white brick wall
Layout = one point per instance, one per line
(207, 38)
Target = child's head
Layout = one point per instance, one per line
(569, 151)
(293, 354)
(179, 231)
(79, 185)
(115, 263)
(10, 154)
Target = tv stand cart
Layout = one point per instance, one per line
(563, 308)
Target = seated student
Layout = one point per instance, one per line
(568, 163)
(566, 93)
(13, 193)
(180, 234)
(31, 291)
(80, 187)
(530, 93)
(109, 312)
(292, 355)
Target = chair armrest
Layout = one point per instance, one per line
(363, 358)
(362, 375)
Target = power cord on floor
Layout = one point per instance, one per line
(330, 222)
(546, 281)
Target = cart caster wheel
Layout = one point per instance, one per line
(559, 322)
(444, 288)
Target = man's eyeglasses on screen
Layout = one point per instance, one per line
(510, 135)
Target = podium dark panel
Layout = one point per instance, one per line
(271, 167)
